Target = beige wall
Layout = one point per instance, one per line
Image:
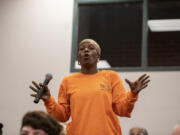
(35, 38)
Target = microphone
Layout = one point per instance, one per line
(48, 77)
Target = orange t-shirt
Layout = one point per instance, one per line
(93, 101)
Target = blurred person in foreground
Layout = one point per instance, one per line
(91, 97)
(176, 130)
(39, 123)
(138, 131)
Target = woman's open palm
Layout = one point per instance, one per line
(139, 84)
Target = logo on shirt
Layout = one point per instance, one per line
(105, 88)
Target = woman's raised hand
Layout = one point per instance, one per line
(139, 84)
(37, 87)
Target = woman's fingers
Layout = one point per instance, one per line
(43, 97)
(146, 82)
(32, 88)
(141, 77)
(40, 84)
(144, 79)
(128, 81)
(36, 89)
(144, 86)
(36, 85)
(33, 95)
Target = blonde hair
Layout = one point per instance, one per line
(94, 43)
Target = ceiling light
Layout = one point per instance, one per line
(164, 25)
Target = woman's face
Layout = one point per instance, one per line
(87, 54)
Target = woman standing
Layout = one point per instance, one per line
(93, 99)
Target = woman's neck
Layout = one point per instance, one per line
(89, 70)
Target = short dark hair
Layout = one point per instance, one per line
(41, 120)
(1, 126)
(144, 131)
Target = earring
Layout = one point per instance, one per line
(79, 63)
(98, 60)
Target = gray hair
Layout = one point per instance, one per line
(142, 130)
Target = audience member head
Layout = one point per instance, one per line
(1, 126)
(176, 130)
(39, 122)
(138, 131)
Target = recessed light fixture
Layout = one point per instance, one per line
(164, 25)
